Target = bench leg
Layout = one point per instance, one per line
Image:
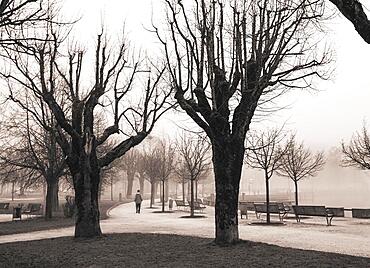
(328, 220)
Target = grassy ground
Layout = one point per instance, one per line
(39, 223)
(158, 250)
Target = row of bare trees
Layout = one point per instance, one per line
(267, 151)
(185, 160)
(224, 62)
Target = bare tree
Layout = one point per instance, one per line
(264, 152)
(180, 175)
(151, 164)
(298, 163)
(130, 163)
(357, 152)
(34, 150)
(166, 160)
(195, 160)
(116, 90)
(354, 12)
(17, 15)
(225, 60)
(140, 168)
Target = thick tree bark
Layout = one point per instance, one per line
(296, 192)
(86, 183)
(227, 161)
(51, 203)
(354, 12)
(87, 202)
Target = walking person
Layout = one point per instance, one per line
(138, 200)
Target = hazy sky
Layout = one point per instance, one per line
(322, 119)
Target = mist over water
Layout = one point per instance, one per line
(335, 185)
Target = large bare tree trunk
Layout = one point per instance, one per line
(51, 203)
(163, 197)
(13, 190)
(152, 193)
(183, 190)
(296, 192)
(196, 189)
(141, 181)
(192, 198)
(86, 183)
(130, 183)
(227, 162)
(167, 190)
(268, 220)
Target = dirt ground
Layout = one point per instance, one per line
(161, 250)
(39, 223)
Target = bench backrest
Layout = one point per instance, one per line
(337, 212)
(361, 213)
(4, 205)
(310, 210)
(200, 201)
(246, 205)
(33, 207)
(180, 203)
(262, 208)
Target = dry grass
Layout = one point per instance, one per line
(40, 224)
(158, 250)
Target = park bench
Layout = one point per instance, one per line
(336, 211)
(32, 209)
(320, 211)
(180, 204)
(245, 207)
(274, 208)
(4, 207)
(361, 213)
(197, 205)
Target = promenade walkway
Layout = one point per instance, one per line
(347, 236)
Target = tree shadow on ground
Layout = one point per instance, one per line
(122, 250)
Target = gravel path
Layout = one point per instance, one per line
(347, 235)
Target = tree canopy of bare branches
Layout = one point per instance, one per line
(265, 152)
(34, 150)
(357, 152)
(299, 162)
(225, 60)
(16, 15)
(354, 12)
(126, 88)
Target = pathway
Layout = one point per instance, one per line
(347, 236)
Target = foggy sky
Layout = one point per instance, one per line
(322, 118)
